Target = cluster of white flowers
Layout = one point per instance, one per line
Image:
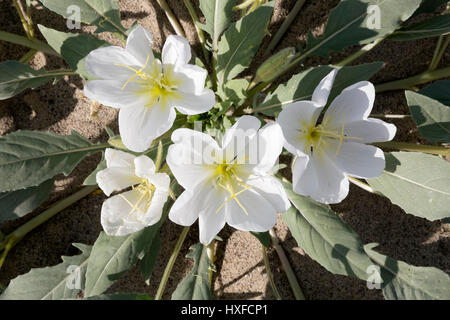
(228, 182)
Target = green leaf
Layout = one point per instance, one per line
(101, 13)
(234, 90)
(195, 286)
(63, 281)
(121, 296)
(325, 237)
(113, 256)
(263, 237)
(16, 77)
(402, 281)
(301, 86)
(149, 260)
(417, 182)
(28, 158)
(16, 204)
(91, 179)
(273, 66)
(433, 27)
(73, 47)
(439, 90)
(429, 6)
(431, 116)
(218, 14)
(354, 22)
(240, 42)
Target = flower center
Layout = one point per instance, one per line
(146, 190)
(156, 84)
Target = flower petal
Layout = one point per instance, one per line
(193, 76)
(322, 91)
(145, 167)
(320, 179)
(140, 125)
(154, 212)
(176, 51)
(118, 158)
(254, 213)
(195, 104)
(272, 190)
(104, 63)
(111, 93)
(270, 144)
(370, 130)
(353, 104)
(292, 119)
(116, 179)
(139, 45)
(357, 159)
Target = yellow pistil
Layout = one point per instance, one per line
(225, 175)
(158, 85)
(146, 189)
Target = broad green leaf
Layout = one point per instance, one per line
(273, 66)
(195, 286)
(417, 182)
(16, 77)
(355, 22)
(240, 42)
(28, 158)
(16, 204)
(63, 281)
(431, 116)
(218, 15)
(101, 13)
(234, 90)
(325, 237)
(402, 281)
(73, 47)
(433, 27)
(263, 237)
(301, 86)
(439, 90)
(112, 257)
(121, 296)
(91, 179)
(429, 6)
(148, 261)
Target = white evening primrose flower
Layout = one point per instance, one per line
(228, 183)
(142, 206)
(329, 151)
(147, 90)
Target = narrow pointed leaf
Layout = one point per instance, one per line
(195, 286)
(417, 182)
(325, 237)
(63, 281)
(429, 6)
(439, 90)
(402, 281)
(433, 27)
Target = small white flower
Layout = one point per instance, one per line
(231, 183)
(145, 89)
(138, 208)
(330, 150)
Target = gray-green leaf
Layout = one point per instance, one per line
(301, 86)
(240, 42)
(16, 204)
(402, 281)
(63, 281)
(73, 47)
(113, 256)
(325, 237)
(431, 116)
(28, 158)
(195, 286)
(433, 27)
(439, 90)
(417, 182)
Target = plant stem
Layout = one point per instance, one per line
(170, 264)
(287, 22)
(23, 41)
(407, 83)
(439, 52)
(28, 56)
(201, 35)
(436, 150)
(269, 273)
(243, 5)
(172, 19)
(13, 238)
(27, 26)
(360, 52)
(363, 185)
(298, 293)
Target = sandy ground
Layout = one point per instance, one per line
(240, 271)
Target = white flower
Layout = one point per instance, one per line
(138, 208)
(145, 89)
(230, 183)
(330, 150)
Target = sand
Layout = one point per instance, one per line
(240, 270)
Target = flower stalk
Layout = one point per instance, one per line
(23, 41)
(200, 33)
(403, 146)
(172, 19)
(269, 273)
